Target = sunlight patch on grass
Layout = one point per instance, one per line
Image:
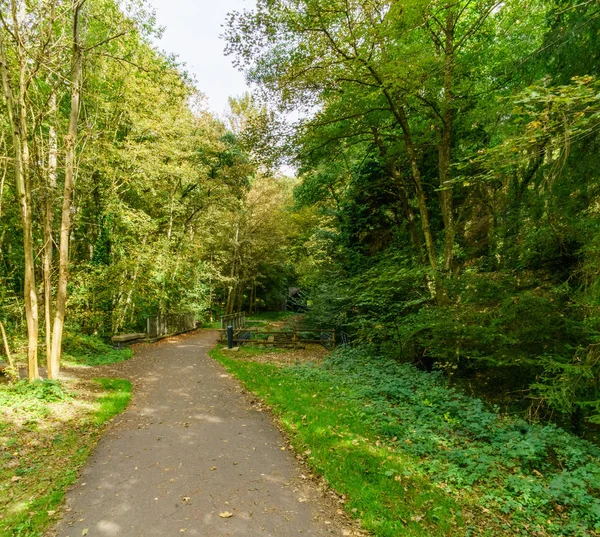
(383, 488)
(47, 431)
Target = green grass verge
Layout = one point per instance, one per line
(416, 457)
(111, 356)
(47, 431)
(272, 316)
(386, 492)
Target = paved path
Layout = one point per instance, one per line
(190, 447)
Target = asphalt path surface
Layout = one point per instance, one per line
(193, 455)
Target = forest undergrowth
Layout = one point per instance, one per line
(47, 431)
(414, 456)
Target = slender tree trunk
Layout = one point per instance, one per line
(4, 172)
(13, 370)
(402, 195)
(17, 117)
(232, 294)
(50, 192)
(409, 214)
(239, 298)
(445, 147)
(65, 226)
(440, 291)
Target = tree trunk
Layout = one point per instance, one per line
(65, 226)
(402, 195)
(445, 148)
(4, 172)
(440, 291)
(13, 369)
(49, 194)
(17, 117)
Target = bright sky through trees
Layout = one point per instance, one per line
(192, 32)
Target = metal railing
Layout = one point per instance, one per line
(163, 325)
(237, 320)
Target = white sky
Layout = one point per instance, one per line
(192, 33)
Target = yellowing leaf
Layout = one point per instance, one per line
(225, 514)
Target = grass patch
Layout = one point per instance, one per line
(47, 431)
(415, 457)
(272, 316)
(83, 350)
(343, 448)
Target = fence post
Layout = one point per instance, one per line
(230, 337)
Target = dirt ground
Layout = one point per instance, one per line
(194, 455)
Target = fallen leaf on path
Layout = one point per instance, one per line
(84, 531)
(225, 514)
(16, 478)
(213, 468)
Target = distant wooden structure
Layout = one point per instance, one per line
(237, 320)
(158, 327)
(281, 338)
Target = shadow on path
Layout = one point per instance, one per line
(190, 448)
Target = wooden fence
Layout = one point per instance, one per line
(162, 325)
(237, 320)
(281, 338)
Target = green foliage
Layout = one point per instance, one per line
(49, 455)
(451, 156)
(33, 397)
(528, 478)
(80, 349)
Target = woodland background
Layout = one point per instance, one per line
(445, 208)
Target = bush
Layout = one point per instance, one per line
(529, 472)
(80, 349)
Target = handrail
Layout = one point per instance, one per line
(237, 320)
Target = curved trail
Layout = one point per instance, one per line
(190, 448)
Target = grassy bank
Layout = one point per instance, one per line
(47, 431)
(414, 457)
(80, 349)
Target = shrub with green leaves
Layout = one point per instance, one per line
(81, 349)
(541, 477)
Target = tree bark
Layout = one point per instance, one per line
(13, 370)
(17, 116)
(440, 291)
(445, 147)
(50, 192)
(402, 196)
(65, 226)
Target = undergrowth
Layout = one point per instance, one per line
(80, 349)
(508, 477)
(47, 430)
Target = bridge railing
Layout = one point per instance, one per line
(163, 325)
(237, 320)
